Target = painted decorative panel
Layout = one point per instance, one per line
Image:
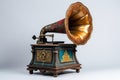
(44, 56)
(65, 56)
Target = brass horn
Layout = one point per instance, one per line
(77, 25)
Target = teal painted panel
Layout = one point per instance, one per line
(65, 56)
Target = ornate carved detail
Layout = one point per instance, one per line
(44, 56)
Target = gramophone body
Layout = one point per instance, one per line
(56, 56)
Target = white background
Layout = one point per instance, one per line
(21, 19)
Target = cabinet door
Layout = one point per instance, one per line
(43, 57)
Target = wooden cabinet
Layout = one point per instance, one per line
(53, 58)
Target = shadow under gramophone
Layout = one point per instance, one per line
(51, 74)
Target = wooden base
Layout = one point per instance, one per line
(53, 58)
(54, 71)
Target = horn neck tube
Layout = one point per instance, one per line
(57, 27)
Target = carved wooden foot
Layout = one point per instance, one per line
(55, 74)
(77, 70)
(31, 71)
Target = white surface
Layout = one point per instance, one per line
(108, 74)
(20, 19)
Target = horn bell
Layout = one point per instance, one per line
(78, 23)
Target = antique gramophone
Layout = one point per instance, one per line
(56, 56)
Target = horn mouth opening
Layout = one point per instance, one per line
(78, 23)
